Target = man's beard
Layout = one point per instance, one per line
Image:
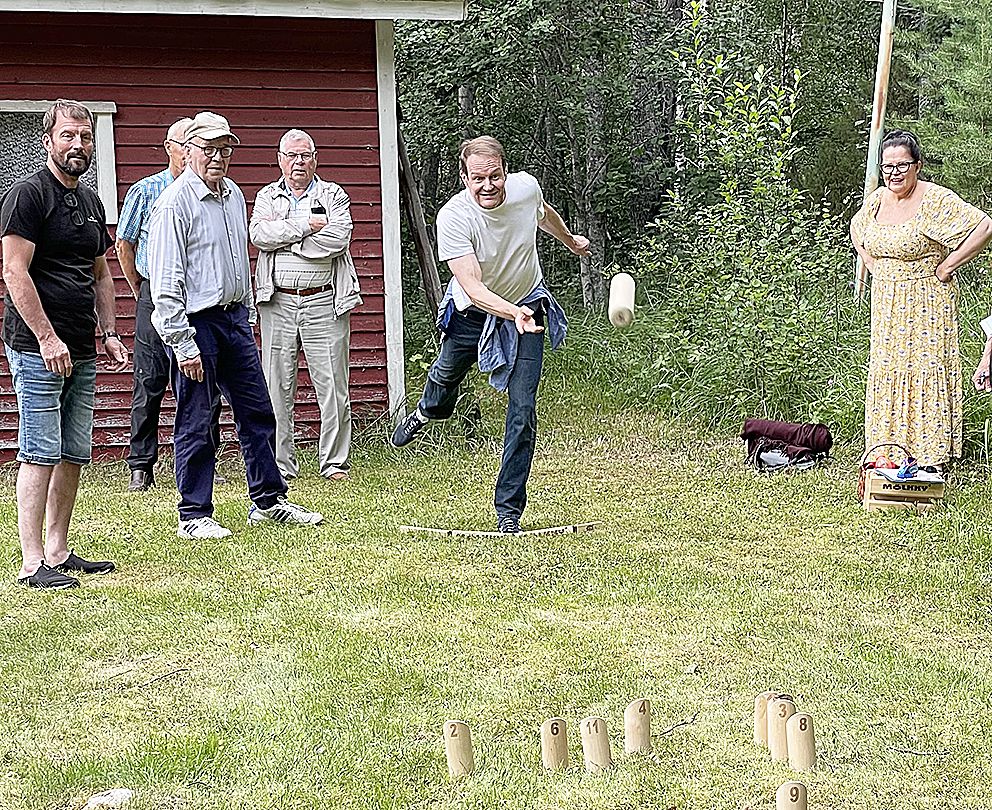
(73, 171)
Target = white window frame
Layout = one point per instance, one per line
(106, 162)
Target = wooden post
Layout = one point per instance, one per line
(877, 118)
(637, 727)
(595, 744)
(802, 742)
(779, 712)
(791, 796)
(458, 748)
(761, 718)
(554, 744)
(414, 210)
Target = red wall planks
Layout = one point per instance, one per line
(266, 75)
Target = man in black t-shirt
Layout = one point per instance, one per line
(59, 289)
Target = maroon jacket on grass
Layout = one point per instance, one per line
(795, 440)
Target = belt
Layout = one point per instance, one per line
(306, 291)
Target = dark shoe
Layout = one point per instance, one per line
(47, 577)
(508, 524)
(74, 563)
(408, 429)
(141, 480)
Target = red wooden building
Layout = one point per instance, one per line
(325, 66)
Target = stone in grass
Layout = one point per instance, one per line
(117, 797)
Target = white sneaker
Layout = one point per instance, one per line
(285, 512)
(202, 528)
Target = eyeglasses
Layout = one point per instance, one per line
(292, 156)
(173, 140)
(212, 151)
(72, 203)
(897, 168)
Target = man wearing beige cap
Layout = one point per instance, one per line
(151, 364)
(204, 311)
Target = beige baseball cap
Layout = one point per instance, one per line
(209, 125)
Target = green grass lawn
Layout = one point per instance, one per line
(314, 667)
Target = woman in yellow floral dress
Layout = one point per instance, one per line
(912, 236)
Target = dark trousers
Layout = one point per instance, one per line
(151, 376)
(231, 366)
(459, 351)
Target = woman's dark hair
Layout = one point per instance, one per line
(902, 137)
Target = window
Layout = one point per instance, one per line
(20, 137)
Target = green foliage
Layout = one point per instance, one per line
(750, 275)
(946, 45)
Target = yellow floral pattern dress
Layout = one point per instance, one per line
(914, 393)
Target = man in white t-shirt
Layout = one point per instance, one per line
(495, 309)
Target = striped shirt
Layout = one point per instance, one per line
(136, 214)
(197, 257)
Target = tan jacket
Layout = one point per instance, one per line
(271, 230)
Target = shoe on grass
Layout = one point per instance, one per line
(48, 577)
(408, 429)
(508, 524)
(202, 528)
(284, 511)
(76, 563)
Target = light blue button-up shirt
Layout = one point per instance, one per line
(136, 214)
(197, 257)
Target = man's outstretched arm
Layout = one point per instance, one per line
(552, 223)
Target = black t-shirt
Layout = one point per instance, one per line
(35, 208)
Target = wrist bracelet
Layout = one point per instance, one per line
(107, 335)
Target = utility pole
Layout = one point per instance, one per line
(877, 119)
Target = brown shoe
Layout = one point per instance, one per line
(338, 476)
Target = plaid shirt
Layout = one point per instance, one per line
(136, 214)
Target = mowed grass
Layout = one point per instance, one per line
(314, 667)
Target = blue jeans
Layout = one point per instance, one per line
(55, 412)
(459, 352)
(232, 365)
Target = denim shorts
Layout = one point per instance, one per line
(55, 412)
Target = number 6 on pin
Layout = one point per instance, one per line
(554, 744)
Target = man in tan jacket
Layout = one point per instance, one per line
(306, 287)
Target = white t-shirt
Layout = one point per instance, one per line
(503, 239)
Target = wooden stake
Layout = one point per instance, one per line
(779, 712)
(791, 796)
(802, 743)
(637, 727)
(761, 718)
(458, 748)
(575, 528)
(595, 744)
(554, 744)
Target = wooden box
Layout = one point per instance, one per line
(881, 493)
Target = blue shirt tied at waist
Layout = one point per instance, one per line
(499, 339)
